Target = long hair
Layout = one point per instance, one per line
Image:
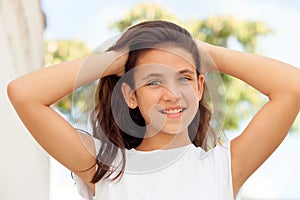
(106, 123)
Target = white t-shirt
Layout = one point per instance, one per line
(182, 173)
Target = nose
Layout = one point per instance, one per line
(171, 94)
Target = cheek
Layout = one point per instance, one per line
(191, 93)
(193, 103)
(147, 100)
(147, 96)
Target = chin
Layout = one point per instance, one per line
(174, 130)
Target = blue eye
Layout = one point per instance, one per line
(154, 83)
(184, 79)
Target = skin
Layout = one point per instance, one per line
(32, 95)
(271, 124)
(169, 81)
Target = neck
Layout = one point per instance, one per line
(164, 140)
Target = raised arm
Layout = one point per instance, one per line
(33, 94)
(277, 80)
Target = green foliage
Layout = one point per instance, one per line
(218, 29)
(66, 50)
(241, 99)
(142, 12)
(57, 51)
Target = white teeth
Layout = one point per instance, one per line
(173, 111)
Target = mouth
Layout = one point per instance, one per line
(172, 111)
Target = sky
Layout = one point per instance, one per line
(89, 21)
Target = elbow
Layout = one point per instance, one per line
(15, 93)
(290, 91)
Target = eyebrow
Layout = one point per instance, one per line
(185, 71)
(158, 75)
(152, 75)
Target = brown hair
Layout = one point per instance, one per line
(105, 122)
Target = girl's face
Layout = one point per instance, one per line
(167, 90)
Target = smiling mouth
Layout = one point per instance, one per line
(172, 111)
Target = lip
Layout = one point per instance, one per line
(172, 112)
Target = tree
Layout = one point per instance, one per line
(58, 51)
(141, 12)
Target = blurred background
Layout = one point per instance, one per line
(36, 33)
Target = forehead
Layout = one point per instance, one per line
(174, 59)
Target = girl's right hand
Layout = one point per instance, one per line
(34, 93)
(117, 65)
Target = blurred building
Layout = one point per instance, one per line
(24, 168)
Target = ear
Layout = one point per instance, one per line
(129, 96)
(200, 86)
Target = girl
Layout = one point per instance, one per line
(151, 125)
